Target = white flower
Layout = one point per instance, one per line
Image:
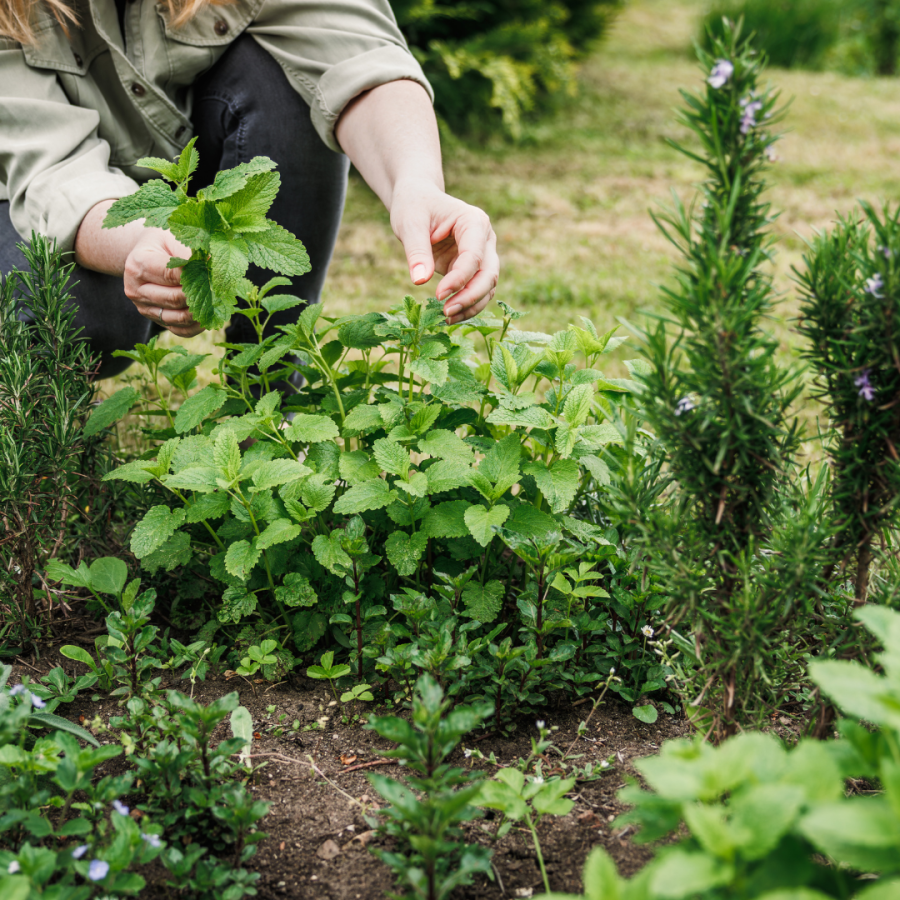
(541, 724)
(467, 754)
(612, 671)
(13, 867)
(721, 72)
(537, 779)
(120, 807)
(604, 764)
(16, 690)
(36, 702)
(153, 840)
(685, 404)
(647, 631)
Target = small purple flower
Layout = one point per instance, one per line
(78, 852)
(770, 154)
(15, 691)
(874, 286)
(153, 840)
(98, 870)
(886, 252)
(120, 807)
(751, 108)
(721, 72)
(36, 702)
(866, 391)
(685, 404)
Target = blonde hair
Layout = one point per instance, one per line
(17, 16)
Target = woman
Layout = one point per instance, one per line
(87, 87)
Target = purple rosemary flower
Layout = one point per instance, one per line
(78, 852)
(751, 108)
(15, 691)
(685, 404)
(98, 870)
(771, 156)
(874, 286)
(153, 840)
(886, 252)
(120, 807)
(36, 702)
(866, 391)
(721, 72)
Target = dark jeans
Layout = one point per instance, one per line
(243, 107)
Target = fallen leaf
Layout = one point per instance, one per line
(229, 674)
(348, 758)
(328, 850)
(281, 846)
(363, 839)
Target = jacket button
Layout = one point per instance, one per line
(138, 89)
(78, 61)
(221, 27)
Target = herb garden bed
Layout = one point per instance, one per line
(309, 819)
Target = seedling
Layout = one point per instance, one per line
(328, 671)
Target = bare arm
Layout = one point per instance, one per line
(391, 135)
(140, 255)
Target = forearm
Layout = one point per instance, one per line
(390, 134)
(105, 250)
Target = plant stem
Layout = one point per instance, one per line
(537, 850)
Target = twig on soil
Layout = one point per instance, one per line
(319, 772)
(22, 662)
(369, 765)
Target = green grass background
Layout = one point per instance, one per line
(570, 202)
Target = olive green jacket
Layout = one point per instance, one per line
(77, 113)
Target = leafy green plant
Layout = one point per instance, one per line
(379, 501)
(258, 656)
(528, 801)
(49, 794)
(106, 575)
(428, 858)
(328, 671)
(768, 821)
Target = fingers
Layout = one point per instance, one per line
(417, 244)
(155, 295)
(477, 290)
(475, 241)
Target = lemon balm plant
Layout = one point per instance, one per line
(405, 462)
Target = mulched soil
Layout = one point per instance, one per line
(317, 835)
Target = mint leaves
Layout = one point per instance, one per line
(225, 226)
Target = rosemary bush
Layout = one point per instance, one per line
(45, 459)
(728, 527)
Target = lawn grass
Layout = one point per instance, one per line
(570, 202)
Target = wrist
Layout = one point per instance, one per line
(105, 250)
(414, 188)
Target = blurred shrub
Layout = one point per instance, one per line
(859, 37)
(792, 33)
(492, 61)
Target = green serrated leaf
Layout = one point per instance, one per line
(296, 591)
(157, 526)
(154, 202)
(175, 552)
(195, 223)
(229, 259)
(111, 410)
(241, 557)
(404, 551)
(279, 532)
(199, 407)
(229, 181)
(330, 554)
(374, 494)
(279, 471)
(311, 429)
(207, 308)
(277, 249)
(558, 483)
(447, 520)
(392, 457)
(481, 522)
(483, 602)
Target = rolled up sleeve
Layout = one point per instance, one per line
(52, 162)
(334, 51)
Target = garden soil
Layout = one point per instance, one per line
(318, 838)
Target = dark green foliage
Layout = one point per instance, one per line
(45, 394)
(769, 821)
(424, 817)
(850, 286)
(882, 21)
(491, 61)
(724, 522)
(792, 33)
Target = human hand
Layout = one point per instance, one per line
(441, 233)
(156, 290)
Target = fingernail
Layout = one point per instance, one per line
(419, 273)
(451, 311)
